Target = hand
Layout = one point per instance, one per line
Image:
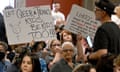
(44, 53)
(50, 64)
(79, 37)
(31, 43)
(58, 49)
(85, 58)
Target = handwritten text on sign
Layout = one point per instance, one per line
(27, 24)
(81, 21)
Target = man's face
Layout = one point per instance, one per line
(2, 49)
(98, 13)
(56, 7)
(2, 52)
(68, 51)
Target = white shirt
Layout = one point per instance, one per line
(115, 19)
(57, 15)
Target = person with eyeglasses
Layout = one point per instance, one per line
(55, 53)
(65, 64)
(77, 40)
(107, 37)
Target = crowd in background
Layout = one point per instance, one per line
(69, 52)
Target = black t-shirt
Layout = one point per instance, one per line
(107, 36)
(2, 30)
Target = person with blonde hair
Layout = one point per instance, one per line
(84, 68)
(55, 54)
(116, 17)
(116, 64)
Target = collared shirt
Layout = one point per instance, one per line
(61, 66)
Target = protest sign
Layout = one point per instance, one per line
(81, 20)
(27, 24)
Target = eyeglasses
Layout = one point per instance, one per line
(66, 50)
(56, 45)
(98, 9)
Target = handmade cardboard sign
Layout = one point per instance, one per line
(27, 24)
(81, 20)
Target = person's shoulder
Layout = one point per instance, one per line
(1, 17)
(52, 11)
(55, 68)
(107, 24)
(7, 63)
(59, 63)
(114, 17)
(0, 14)
(1, 63)
(60, 13)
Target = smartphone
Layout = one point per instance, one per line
(89, 41)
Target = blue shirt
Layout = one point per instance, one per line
(43, 65)
(3, 66)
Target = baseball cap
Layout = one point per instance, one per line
(106, 5)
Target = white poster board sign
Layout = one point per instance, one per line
(27, 24)
(81, 20)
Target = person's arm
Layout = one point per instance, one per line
(96, 55)
(55, 68)
(100, 44)
(56, 58)
(79, 56)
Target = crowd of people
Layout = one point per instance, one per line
(69, 52)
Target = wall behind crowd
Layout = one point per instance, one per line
(65, 4)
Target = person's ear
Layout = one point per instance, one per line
(104, 13)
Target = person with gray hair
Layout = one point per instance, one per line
(66, 63)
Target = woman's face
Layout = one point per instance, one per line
(26, 65)
(67, 37)
(56, 46)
